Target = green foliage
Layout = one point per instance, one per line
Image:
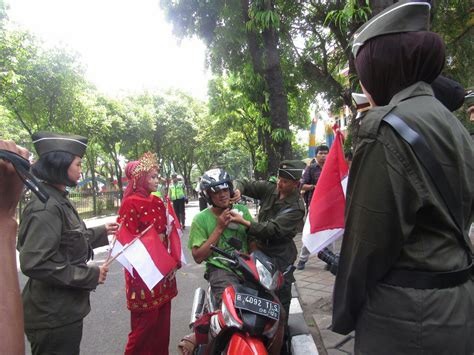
(262, 20)
(281, 134)
(352, 11)
(454, 21)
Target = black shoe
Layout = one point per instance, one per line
(301, 265)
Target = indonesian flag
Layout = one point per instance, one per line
(325, 221)
(147, 254)
(174, 232)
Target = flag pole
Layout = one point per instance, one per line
(114, 239)
(108, 262)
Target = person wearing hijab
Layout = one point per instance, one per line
(405, 281)
(150, 309)
(54, 246)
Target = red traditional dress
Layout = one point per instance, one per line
(150, 310)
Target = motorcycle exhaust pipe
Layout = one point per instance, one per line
(198, 306)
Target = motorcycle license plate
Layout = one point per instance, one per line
(257, 305)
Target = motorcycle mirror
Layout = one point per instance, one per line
(235, 243)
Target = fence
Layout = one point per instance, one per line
(105, 203)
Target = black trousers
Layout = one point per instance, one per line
(178, 206)
(65, 340)
(202, 203)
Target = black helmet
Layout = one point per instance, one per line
(215, 180)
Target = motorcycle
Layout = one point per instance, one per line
(249, 317)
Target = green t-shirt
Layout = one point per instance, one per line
(204, 224)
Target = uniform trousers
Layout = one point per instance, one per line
(150, 334)
(64, 340)
(178, 206)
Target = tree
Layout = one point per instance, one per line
(39, 87)
(175, 124)
(237, 35)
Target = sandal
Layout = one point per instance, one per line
(187, 344)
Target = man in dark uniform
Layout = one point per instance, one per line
(281, 213)
(54, 246)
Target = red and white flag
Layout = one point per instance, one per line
(325, 220)
(174, 232)
(147, 254)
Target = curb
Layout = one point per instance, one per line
(302, 342)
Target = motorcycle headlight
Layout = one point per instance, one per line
(229, 319)
(267, 280)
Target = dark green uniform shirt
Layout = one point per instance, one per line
(278, 220)
(54, 246)
(396, 219)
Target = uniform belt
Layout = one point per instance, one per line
(425, 280)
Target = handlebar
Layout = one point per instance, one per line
(222, 252)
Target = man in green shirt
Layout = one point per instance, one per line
(281, 213)
(213, 226)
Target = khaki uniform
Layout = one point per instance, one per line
(396, 219)
(277, 225)
(55, 246)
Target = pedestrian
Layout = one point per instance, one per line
(201, 198)
(308, 184)
(177, 194)
(405, 282)
(54, 246)
(150, 310)
(280, 216)
(11, 313)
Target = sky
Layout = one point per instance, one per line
(126, 46)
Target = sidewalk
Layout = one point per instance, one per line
(315, 287)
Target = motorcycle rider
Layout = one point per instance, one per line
(213, 226)
(210, 227)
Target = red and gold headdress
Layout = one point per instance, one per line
(147, 162)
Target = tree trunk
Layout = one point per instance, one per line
(278, 97)
(270, 71)
(91, 163)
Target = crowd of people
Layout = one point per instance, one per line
(406, 257)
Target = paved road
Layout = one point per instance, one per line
(107, 326)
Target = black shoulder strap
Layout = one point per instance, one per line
(432, 166)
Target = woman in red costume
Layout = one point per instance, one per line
(150, 309)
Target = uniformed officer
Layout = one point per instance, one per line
(405, 282)
(281, 213)
(177, 194)
(54, 246)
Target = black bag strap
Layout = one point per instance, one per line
(432, 166)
